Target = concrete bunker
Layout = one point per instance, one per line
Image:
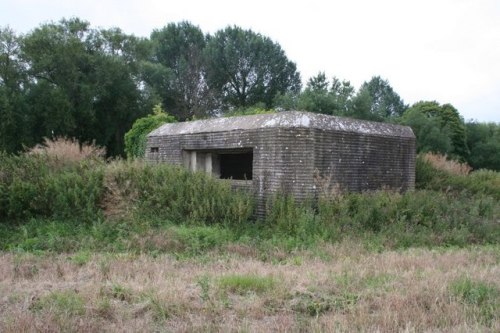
(289, 152)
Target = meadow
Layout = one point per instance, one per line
(89, 245)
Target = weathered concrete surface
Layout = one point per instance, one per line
(291, 119)
(300, 153)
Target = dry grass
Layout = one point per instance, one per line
(350, 289)
(68, 151)
(441, 162)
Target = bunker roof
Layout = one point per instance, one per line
(286, 119)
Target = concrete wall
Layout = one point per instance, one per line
(299, 161)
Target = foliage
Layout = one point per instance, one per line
(243, 284)
(62, 152)
(61, 303)
(321, 96)
(164, 208)
(430, 135)
(484, 298)
(386, 103)
(136, 137)
(179, 76)
(83, 82)
(175, 194)
(246, 68)
(478, 182)
(439, 128)
(13, 106)
(30, 188)
(441, 162)
(483, 140)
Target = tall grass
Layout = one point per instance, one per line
(171, 193)
(136, 206)
(29, 188)
(477, 182)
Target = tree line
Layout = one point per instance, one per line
(70, 79)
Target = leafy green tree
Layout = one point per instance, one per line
(361, 106)
(136, 137)
(246, 68)
(446, 116)
(431, 135)
(317, 97)
(179, 77)
(386, 103)
(483, 139)
(85, 82)
(320, 96)
(14, 126)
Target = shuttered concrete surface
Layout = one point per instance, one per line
(298, 153)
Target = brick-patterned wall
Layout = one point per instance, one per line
(298, 160)
(358, 162)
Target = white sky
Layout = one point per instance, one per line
(444, 50)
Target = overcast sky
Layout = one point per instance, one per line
(443, 50)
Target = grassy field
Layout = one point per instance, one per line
(343, 287)
(124, 246)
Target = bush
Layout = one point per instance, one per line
(175, 194)
(477, 182)
(136, 137)
(31, 188)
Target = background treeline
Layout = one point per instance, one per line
(69, 79)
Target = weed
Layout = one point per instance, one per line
(315, 304)
(61, 303)
(484, 298)
(243, 284)
(158, 307)
(204, 284)
(104, 308)
(81, 258)
(117, 291)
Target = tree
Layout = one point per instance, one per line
(361, 106)
(431, 135)
(136, 137)
(246, 68)
(446, 116)
(178, 49)
(439, 128)
(13, 111)
(320, 96)
(84, 82)
(386, 103)
(323, 96)
(483, 139)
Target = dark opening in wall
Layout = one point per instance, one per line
(155, 149)
(236, 165)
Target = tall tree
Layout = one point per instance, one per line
(323, 96)
(247, 68)
(431, 135)
(179, 74)
(13, 112)
(85, 82)
(448, 120)
(386, 102)
(483, 139)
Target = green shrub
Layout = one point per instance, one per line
(136, 137)
(478, 182)
(175, 194)
(31, 189)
